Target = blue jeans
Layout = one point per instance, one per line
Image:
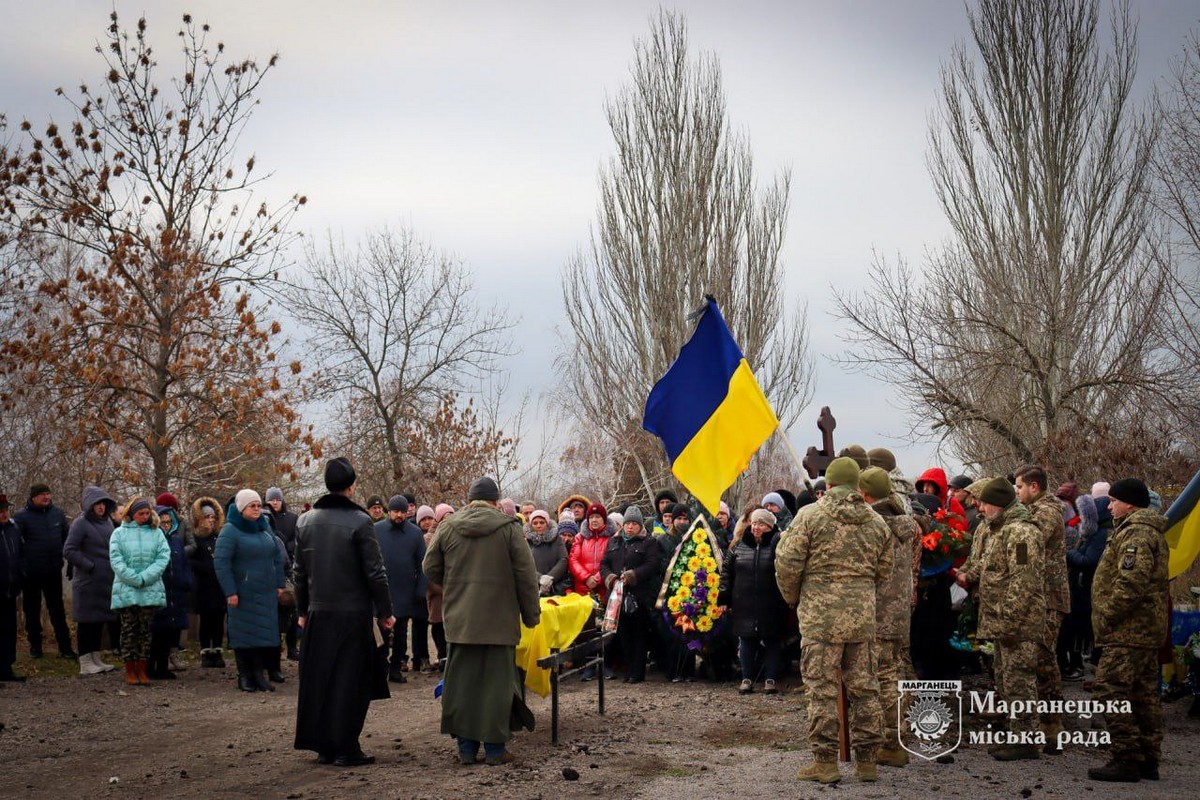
(470, 748)
(748, 655)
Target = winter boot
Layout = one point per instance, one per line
(1116, 772)
(890, 757)
(747, 686)
(143, 678)
(1052, 730)
(103, 667)
(206, 659)
(823, 771)
(88, 665)
(1194, 710)
(1148, 770)
(262, 661)
(131, 676)
(1016, 752)
(218, 658)
(866, 771)
(173, 661)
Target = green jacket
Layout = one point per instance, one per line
(488, 578)
(1012, 583)
(1047, 514)
(1129, 592)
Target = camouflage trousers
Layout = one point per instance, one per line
(1016, 681)
(1049, 678)
(135, 632)
(819, 663)
(892, 665)
(1131, 673)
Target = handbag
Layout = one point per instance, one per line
(287, 598)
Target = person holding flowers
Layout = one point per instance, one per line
(632, 557)
(757, 609)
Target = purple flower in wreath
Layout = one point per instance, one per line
(689, 609)
(701, 576)
(700, 593)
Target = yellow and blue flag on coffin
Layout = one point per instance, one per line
(709, 411)
(1183, 536)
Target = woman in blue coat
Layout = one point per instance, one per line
(249, 568)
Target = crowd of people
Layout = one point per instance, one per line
(835, 577)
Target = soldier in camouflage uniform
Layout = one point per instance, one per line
(1129, 616)
(831, 563)
(1047, 514)
(1012, 607)
(893, 608)
(967, 576)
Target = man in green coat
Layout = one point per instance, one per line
(490, 586)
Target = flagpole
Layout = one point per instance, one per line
(795, 458)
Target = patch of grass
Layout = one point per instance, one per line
(681, 772)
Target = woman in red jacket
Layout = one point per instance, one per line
(933, 481)
(588, 551)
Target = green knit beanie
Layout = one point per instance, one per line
(882, 457)
(998, 492)
(842, 471)
(875, 483)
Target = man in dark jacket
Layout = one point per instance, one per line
(403, 546)
(285, 529)
(340, 585)
(11, 578)
(44, 528)
(633, 558)
(490, 587)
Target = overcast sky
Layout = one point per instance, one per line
(480, 125)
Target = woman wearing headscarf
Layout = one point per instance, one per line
(759, 612)
(632, 557)
(86, 550)
(588, 552)
(249, 565)
(549, 554)
(139, 555)
(207, 519)
(433, 592)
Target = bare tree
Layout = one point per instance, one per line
(147, 243)
(681, 215)
(1042, 320)
(393, 327)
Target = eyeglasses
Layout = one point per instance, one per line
(253, 505)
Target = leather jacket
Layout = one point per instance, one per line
(338, 564)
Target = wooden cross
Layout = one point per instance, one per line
(815, 461)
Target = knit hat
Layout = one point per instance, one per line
(997, 492)
(274, 493)
(874, 481)
(136, 506)
(244, 498)
(1132, 491)
(38, 488)
(339, 475)
(424, 512)
(858, 453)
(775, 498)
(167, 499)
(762, 515)
(484, 489)
(508, 506)
(442, 511)
(374, 500)
(960, 482)
(208, 511)
(616, 518)
(1067, 492)
(634, 514)
(398, 502)
(724, 509)
(539, 514)
(1100, 489)
(568, 527)
(680, 510)
(881, 457)
(566, 515)
(161, 510)
(596, 508)
(842, 471)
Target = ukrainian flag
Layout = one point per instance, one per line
(709, 411)
(1184, 534)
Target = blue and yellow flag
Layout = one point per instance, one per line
(709, 411)
(1184, 534)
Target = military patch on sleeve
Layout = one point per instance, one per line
(1130, 557)
(1022, 553)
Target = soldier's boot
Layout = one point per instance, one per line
(1116, 772)
(1016, 752)
(823, 771)
(1052, 730)
(892, 757)
(1148, 770)
(866, 772)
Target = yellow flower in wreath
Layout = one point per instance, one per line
(716, 613)
(710, 565)
(683, 593)
(687, 579)
(704, 624)
(713, 580)
(674, 605)
(713, 594)
(703, 550)
(694, 563)
(698, 536)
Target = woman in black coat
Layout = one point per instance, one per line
(207, 519)
(758, 610)
(632, 556)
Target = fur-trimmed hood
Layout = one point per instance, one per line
(586, 502)
(198, 514)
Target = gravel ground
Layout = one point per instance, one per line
(199, 737)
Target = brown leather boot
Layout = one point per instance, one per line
(821, 771)
(143, 678)
(131, 676)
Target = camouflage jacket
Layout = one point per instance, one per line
(1012, 584)
(893, 605)
(1047, 514)
(973, 566)
(831, 563)
(1129, 592)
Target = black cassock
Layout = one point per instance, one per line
(341, 672)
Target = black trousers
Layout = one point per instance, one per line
(31, 598)
(8, 633)
(633, 635)
(420, 639)
(439, 639)
(89, 635)
(212, 629)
